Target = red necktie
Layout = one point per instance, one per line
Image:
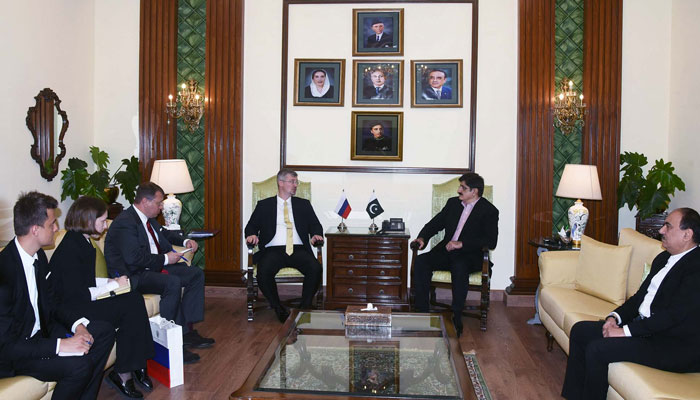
(155, 240)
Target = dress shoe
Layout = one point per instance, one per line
(193, 340)
(457, 321)
(125, 388)
(189, 357)
(282, 313)
(141, 377)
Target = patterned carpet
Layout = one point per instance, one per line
(480, 388)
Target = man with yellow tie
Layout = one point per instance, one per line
(281, 226)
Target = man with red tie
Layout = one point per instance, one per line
(139, 247)
(470, 223)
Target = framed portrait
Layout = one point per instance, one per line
(374, 367)
(377, 83)
(319, 82)
(377, 32)
(376, 135)
(436, 83)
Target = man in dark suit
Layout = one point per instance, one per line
(378, 90)
(436, 89)
(380, 38)
(139, 247)
(471, 224)
(281, 226)
(659, 326)
(34, 335)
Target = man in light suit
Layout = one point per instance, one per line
(34, 335)
(436, 89)
(379, 39)
(659, 326)
(281, 226)
(139, 247)
(470, 223)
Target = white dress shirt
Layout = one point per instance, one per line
(151, 243)
(280, 238)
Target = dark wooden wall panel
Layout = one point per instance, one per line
(223, 139)
(601, 133)
(535, 134)
(157, 78)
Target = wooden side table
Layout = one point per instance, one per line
(363, 268)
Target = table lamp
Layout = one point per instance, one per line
(579, 182)
(173, 177)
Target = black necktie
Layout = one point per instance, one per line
(42, 320)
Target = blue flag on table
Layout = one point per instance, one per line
(373, 207)
(343, 208)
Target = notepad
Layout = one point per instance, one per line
(116, 292)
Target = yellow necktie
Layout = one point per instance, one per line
(289, 247)
(100, 263)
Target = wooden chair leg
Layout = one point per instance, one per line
(250, 295)
(550, 340)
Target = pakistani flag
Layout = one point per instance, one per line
(373, 207)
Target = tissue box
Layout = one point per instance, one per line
(355, 316)
(369, 332)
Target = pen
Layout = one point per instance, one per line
(68, 335)
(181, 257)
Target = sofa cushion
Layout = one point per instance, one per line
(602, 270)
(634, 381)
(644, 250)
(23, 387)
(560, 301)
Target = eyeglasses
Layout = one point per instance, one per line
(292, 181)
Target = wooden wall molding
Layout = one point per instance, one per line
(602, 85)
(535, 164)
(157, 78)
(223, 116)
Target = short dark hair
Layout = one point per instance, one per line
(147, 190)
(30, 209)
(375, 123)
(83, 213)
(318, 70)
(690, 219)
(444, 73)
(285, 172)
(375, 69)
(474, 181)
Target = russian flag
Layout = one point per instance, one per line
(343, 208)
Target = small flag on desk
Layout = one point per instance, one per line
(373, 207)
(343, 208)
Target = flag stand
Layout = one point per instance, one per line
(373, 228)
(341, 226)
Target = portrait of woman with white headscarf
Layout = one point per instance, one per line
(320, 86)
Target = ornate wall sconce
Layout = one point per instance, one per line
(568, 108)
(191, 105)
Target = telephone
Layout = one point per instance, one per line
(393, 225)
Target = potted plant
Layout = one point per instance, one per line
(651, 194)
(78, 182)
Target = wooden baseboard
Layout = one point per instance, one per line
(525, 300)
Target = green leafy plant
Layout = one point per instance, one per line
(77, 181)
(651, 193)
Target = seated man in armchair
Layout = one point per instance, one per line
(281, 226)
(471, 224)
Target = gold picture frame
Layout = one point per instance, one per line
(376, 136)
(426, 75)
(366, 26)
(366, 93)
(306, 71)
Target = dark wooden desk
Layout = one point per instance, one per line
(363, 268)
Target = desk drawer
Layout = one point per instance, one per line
(384, 272)
(385, 257)
(349, 290)
(383, 292)
(350, 256)
(350, 272)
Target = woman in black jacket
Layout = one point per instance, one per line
(79, 275)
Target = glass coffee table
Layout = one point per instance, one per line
(315, 357)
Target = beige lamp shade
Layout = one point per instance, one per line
(579, 182)
(172, 176)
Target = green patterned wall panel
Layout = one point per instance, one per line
(568, 63)
(191, 29)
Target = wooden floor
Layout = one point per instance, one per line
(512, 354)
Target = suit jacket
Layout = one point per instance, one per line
(73, 270)
(386, 41)
(429, 93)
(675, 311)
(369, 92)
(17, 315)
(263, 222)
(480, 230)
(127, 250)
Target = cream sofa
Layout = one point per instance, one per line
(563, 302)
(26, 387)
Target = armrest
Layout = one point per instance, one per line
(558, 268)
